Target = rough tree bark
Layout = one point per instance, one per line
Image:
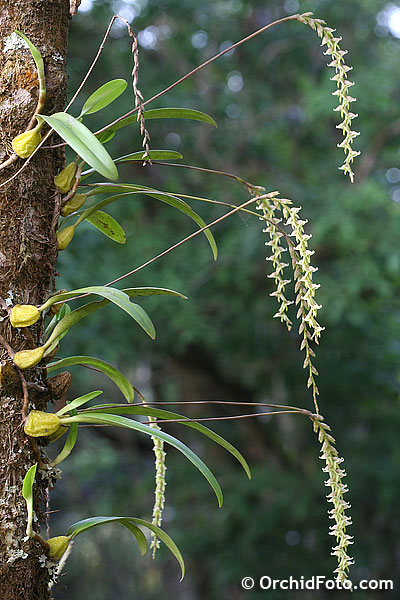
(27, 258)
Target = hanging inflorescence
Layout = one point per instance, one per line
(305, 288)
(343, 84)
(329, 454)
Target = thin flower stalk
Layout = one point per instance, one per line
(329, 454)
(343, 84)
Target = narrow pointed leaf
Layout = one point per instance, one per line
(37, 57)
(84, 525)
(154, 154)
(28, 483)
(135, 311)
(64, 310)
(131, 292)
(78, 402)
(67, 322)
(152, 291)
(166, 414)
(69, 443)
(166, 113)
(139, 535)
(84, 142)
(103, 96)
(114, 374)
(108, 225)
(103, 138)
(126, 522)
(118, 297)
(108, 419)
(27, 493)
(173, 201)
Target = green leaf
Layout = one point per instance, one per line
(37, 57)
(173, 201)
(118, 297)
(28, 483)
(64, 310)
(108, 225)
(68, 446)
(78, 402)
(152, 291)
(81, 526)
(166, 113)
(166, 414)
(69, 443)
(131, 292)
(103, 139)
(110, 295)
(109, 419)
(82, 140)
(103, 96)
(27, 493)
(116, 376)
(154, 154)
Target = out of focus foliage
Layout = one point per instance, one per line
(272, 101)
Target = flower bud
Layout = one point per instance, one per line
(58, 545)
(65, 179)
(25, 143)
(23, 315)
(25, 359)
(41, 424)
(74, 204)
(64, 237)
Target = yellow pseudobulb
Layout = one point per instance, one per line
(25, 359)
(23, 315)
(65, 179)
(64, 237)
(41, 424)
(25, 143)
(74, 204)
(58, 545)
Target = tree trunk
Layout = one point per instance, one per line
(27, 257)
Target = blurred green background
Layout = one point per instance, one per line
(272, 100)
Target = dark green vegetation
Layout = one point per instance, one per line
(277, 131)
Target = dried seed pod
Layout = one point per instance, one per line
(41, 424)
(57, 434)
(59, 384)
(23, 315)
(25, 359)
(64, 237)
(25, 143)
(74, 204)
(65, 179)
(58, 546)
